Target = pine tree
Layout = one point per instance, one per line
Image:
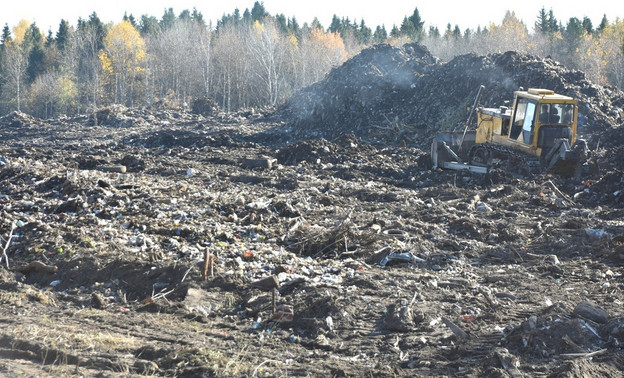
(449, 31)
(49, 39)
(198, 17)
(4, 39)
(553, 24)
(412, 26)
(316, 24)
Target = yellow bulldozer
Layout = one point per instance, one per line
(537, 134)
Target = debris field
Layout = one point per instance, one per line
(313, 239)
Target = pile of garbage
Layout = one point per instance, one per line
(391, 95)
(18, 119)
(205, 106)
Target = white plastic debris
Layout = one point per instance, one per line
(330, 323)
(597, 233)
(483, 207)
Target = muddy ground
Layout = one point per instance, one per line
(391, 269)
(376, 265)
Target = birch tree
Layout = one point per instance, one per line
(122, 59)
(268, 49)
(14, 65)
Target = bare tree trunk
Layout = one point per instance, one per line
(18, 96)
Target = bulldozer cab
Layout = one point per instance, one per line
(537, 119)
(540, 117)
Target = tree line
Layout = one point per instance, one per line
(252, 58)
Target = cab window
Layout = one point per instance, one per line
(524, 119)
(527, 123)
(556, 114)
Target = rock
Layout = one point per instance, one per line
(614, 328)
(113, 168)
(266, 163)
(203, 302)
(592, 312)
(399, 318)
(36, 266)
(97, 301)
(267, 283)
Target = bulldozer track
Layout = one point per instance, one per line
(511, 160)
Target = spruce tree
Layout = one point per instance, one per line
(417, 22)
(95, 22)
(167, 19)
(148, 25)
(395, 32)
(62, 36)
(542, 21)
(408, 29)
(258, 12)
(380, 35)
(33, 42)
(587, 24)
(603, 24)
(6, 35)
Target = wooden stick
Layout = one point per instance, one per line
(456, 330)
(587, 355)
(559, 192)
(4, 254)
(209, 260)
(274, 300)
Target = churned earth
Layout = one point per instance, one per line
(382, 267)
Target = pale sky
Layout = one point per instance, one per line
(467, 14)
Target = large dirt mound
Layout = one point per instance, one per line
(389, 94)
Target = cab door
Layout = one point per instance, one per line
(523, 123)
(528, 123)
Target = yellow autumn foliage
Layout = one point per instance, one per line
(330, 42)
(258, 27)
(124, 49)
(293, 41)
(19, 31)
